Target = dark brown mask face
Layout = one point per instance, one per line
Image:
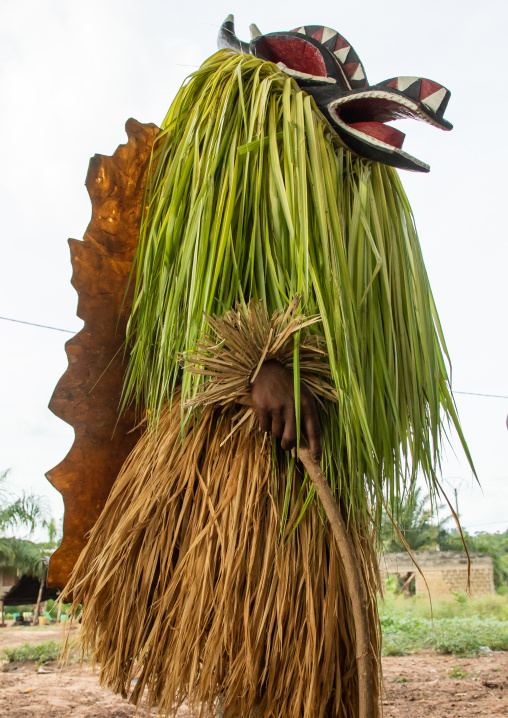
(326, 66)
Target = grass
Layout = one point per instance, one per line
(38, 652)
(460, 627)
(458, 605)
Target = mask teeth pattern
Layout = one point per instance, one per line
(341, 49)
(425, 99)
(431, 94)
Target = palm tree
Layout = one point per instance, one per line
(17, 513)
(54, 530)
(414, 521)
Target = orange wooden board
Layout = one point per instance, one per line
(88, 394)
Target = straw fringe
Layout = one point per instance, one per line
(187, 586)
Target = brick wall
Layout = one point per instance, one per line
(445, 571)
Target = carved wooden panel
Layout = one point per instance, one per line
(88, 394)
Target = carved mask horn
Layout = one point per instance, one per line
(227, 39)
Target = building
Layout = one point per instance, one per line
(444, 571)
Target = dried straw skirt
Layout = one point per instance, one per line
(188, 585)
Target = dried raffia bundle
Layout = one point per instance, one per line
(211, 534)
(188, 585)
(242, 340)
(212, 573)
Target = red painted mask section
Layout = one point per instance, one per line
(385, 133)
(294, 53)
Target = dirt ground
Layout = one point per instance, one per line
(422, 685)
(428, 683)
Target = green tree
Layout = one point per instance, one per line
(415, 520)
(495, 544)
(18, 513)
(55, 533)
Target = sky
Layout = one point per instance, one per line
(72, 73)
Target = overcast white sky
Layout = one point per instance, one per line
(71, 73)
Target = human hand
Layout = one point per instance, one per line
(274, 404)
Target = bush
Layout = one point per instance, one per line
(20, 609)
(404, 635)
(469, 636)
(460, 636)
(39, 653)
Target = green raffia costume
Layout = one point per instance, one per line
(211, 575)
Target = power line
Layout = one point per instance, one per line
(483, 523)
(72, 331)
(41, 326)
(474, 393)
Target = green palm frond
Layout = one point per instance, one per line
(251, 195)
(21, 512)
(23, 556)
(416, 521)
(25, 511)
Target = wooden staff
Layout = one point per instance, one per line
(355, 584)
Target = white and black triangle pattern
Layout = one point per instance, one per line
(430, 94)
(341, 49)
